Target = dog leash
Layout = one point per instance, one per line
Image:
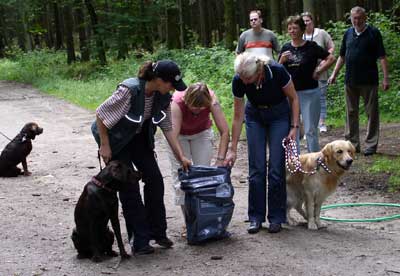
(5, 135)
(98, 156)
(292, 157)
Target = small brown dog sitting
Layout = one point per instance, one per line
(17, 150)
(97, 205)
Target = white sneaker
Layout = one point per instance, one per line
(323, 128)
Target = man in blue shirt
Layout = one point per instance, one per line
(361, 47)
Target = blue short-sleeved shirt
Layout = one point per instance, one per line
(270, 92)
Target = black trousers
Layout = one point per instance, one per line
(143, 221)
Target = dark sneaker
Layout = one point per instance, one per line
(164, 242)
(369, 152)
(147, 249)
(254, 227)
(274, 228)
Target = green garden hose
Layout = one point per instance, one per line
(333, 206)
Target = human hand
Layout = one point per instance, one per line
(230, 158)
(385, 84)
(332, 79)
(105, 153)
(186, 163)
(285, 56)
(292, 133)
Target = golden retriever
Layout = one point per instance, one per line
(311, 189)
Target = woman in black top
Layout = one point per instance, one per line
(300, 58)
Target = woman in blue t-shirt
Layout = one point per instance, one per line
(272, 101)
(301, 57)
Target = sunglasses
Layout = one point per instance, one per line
(253, 19)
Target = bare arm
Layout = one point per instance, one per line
(324, 65)
(222, 125)
(338, 66)
(105, 148)
(176, 149)
(238, 117)
(384, 65)
(291, 93)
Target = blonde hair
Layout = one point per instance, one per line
(198, 95)
(247, 64)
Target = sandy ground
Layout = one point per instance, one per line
(37, 211)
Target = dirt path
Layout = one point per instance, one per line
(37, 212)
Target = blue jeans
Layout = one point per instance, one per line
(323, 87)
(267, 126)
(310, 108)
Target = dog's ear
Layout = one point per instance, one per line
(327, 151)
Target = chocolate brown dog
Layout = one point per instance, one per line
(17, 150)
(97, 205)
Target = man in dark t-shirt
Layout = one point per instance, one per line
(361, 47)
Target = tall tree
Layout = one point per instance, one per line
(69, 38)
(275, 16)
(101, 54)
(80, 26)
(229, 21)
(340, 9)
(309, 5)
(57, 24)
(205, 33)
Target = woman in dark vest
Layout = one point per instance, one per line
(124, 129)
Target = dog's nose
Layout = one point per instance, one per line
(349, 161)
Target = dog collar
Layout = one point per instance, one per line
(323, 165)
(101, 185)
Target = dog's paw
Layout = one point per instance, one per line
(27, 173)
(96, 259)
(125, 256)
(321, 225)
(312, 226)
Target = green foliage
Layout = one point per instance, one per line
(389, 166)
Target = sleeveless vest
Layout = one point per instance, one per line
(123, 131)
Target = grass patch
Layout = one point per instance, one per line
(390, 166)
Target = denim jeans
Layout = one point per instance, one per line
(143, 221)
(310, 108)
(267, 127)
(323, 87)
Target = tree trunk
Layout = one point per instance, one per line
(181, 25)
(147, 38)
(101, 54)
(80, 26)
(230, 26)
(49, 39)
(275, 16)
(173, 27)
(204, 28)
(69, 39)
(309, 5)
(57, 23)
(340, 10)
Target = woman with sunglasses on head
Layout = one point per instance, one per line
(124, 130)
(300, 57)
(270, 114)
(323, 39)
(192, 125)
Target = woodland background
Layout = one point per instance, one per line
(79, 50)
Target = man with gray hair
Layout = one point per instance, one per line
(362, 46)
(257, 40)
